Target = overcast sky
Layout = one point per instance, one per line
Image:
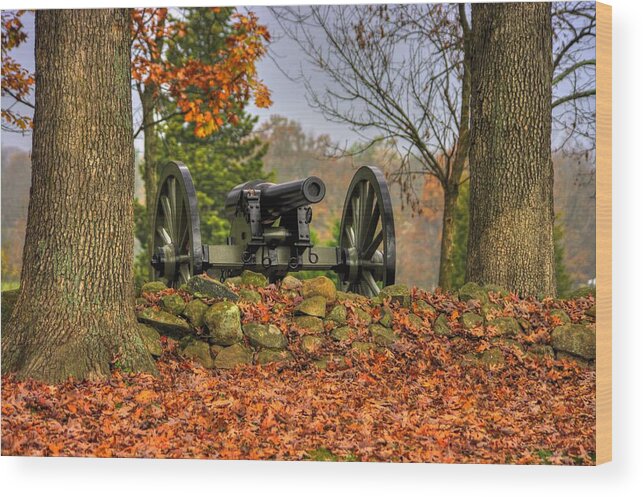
(288, 96)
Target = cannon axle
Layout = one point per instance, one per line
(270, 231)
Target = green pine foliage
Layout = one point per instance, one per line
(217, 163)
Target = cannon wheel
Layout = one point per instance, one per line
(178, 254)
(367, 234)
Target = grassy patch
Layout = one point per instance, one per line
(544, 455)
(323, 454)
(10, 285)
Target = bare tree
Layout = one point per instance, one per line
(574, 77)
(399, 75)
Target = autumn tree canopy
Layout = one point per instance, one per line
(17, 81)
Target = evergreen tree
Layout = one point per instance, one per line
(219, 161)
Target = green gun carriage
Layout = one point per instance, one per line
(270, 231)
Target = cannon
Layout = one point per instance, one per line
(270, 231)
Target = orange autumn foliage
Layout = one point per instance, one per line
(416, 401)
(17, 82)
(207, 95)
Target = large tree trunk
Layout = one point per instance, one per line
(75, 313)
(150, 158)
(511, 240)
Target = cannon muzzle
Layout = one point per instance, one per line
(277, 199)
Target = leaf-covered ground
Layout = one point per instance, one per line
(417, 402)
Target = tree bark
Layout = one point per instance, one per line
(150, 158)
(448, 234)
(75, 313)
(511, 206)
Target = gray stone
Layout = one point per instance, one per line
(290, 283)
(250, 295)
(195, 311)
(473, 291)
(381, 335)
(362, 347)
(591, 312)
(266, 356)
(203, 286)
(505, 326)
(309, 323)
(423, 306)
(525, 325)
(254, 279)
(584, 363)
(351, 297)
(336, 361)
(197, 351)
(540, 351)
(215, 349)
(416, 321)
(441, 326)
(152, 339)
(502, 292)
(471, 320)
(164, 322)
(364, 317)
(320, 286)
(223, 320)
(312, 306)
(311, 343)
(562, 316)
(233, 281)
(397, 293)
(173, 303)
(490, 310)
(233, 356)
(265, 335)
(387, 317)
(337, 314)
(576, 339)
(342, 334)
(492, 357)
(153, 287)
(508, 342)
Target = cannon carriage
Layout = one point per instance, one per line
(270, 231)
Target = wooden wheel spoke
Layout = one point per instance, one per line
(162, 232)
(368, 195)
(370, 281)
(168, 216)
(372, 226)
(171, 189)
(356, 218)
(350, 234)
(184, 272)
(372, 247)
(367, 225)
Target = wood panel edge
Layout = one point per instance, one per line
(603, 233)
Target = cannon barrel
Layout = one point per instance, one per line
(276, 199)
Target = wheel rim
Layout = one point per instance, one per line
(178, 254)
(367, 234)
